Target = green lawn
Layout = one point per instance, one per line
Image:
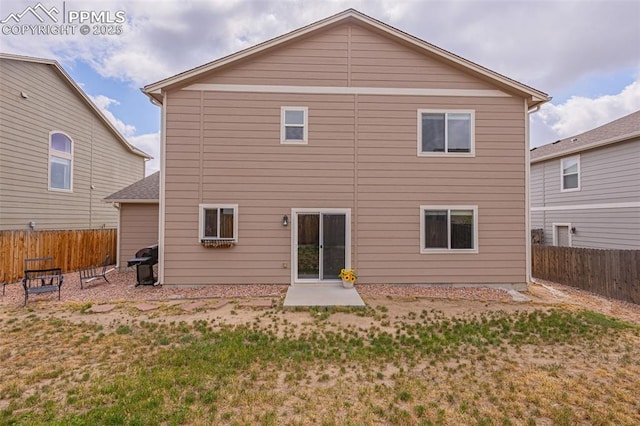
(552, 367)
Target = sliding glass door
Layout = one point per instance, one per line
(320, 244)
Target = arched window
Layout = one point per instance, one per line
(60, 162)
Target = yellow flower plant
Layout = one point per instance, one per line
(349, 275)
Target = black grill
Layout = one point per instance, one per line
(144, 260)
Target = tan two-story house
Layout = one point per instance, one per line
(345, 143)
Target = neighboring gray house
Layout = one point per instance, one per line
(585, 190)
(59, 155)
(138, 219)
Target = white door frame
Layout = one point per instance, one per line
(294, 243)
(555, 233)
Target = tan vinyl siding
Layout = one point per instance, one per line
(224, 147)
(99, 158)
(317, 60)
(393, 182)
(377, 61)
(247, 165)
(138, 229)
(326, 60)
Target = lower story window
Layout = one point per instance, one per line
(448, 229)
(60, 170)
(219, 222)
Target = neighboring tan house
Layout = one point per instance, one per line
(138, 220)
(585, 190)
(345, 143)
(59, 155)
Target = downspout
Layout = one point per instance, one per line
(161, 201)
(117, 206)
(527, 177)
(91, 187)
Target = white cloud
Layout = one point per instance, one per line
(544, 44)
(579, 114)
(103, 103)
(149, 143)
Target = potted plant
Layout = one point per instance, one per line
(348, 277)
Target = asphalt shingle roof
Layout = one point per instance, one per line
(145, 189)
(615, 130)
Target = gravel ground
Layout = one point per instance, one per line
(122, 288)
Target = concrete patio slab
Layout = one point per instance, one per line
(322, 295)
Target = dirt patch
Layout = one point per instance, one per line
(245, 304)
(547, 292)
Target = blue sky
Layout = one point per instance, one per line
(133, 107)
(585, 54)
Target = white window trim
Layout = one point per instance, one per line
(562, 175)
(294, 242)
(201, 210)
(555, 233)
(305, 126)
(472, 151)
(424, 250)
(63, 155)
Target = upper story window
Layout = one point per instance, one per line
(446, 133)
(570, 173)
(293, 128)
(446, 229)
(219, 222)
(60, 162)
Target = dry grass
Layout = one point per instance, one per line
(336, 366)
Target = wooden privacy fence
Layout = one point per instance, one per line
(610, 273)
(71, 250)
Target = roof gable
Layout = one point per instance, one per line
(83, 96)
(620, 130)
(344, 55)
(533, 96)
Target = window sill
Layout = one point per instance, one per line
(447, 154)
(447, 251)
(217, 243)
